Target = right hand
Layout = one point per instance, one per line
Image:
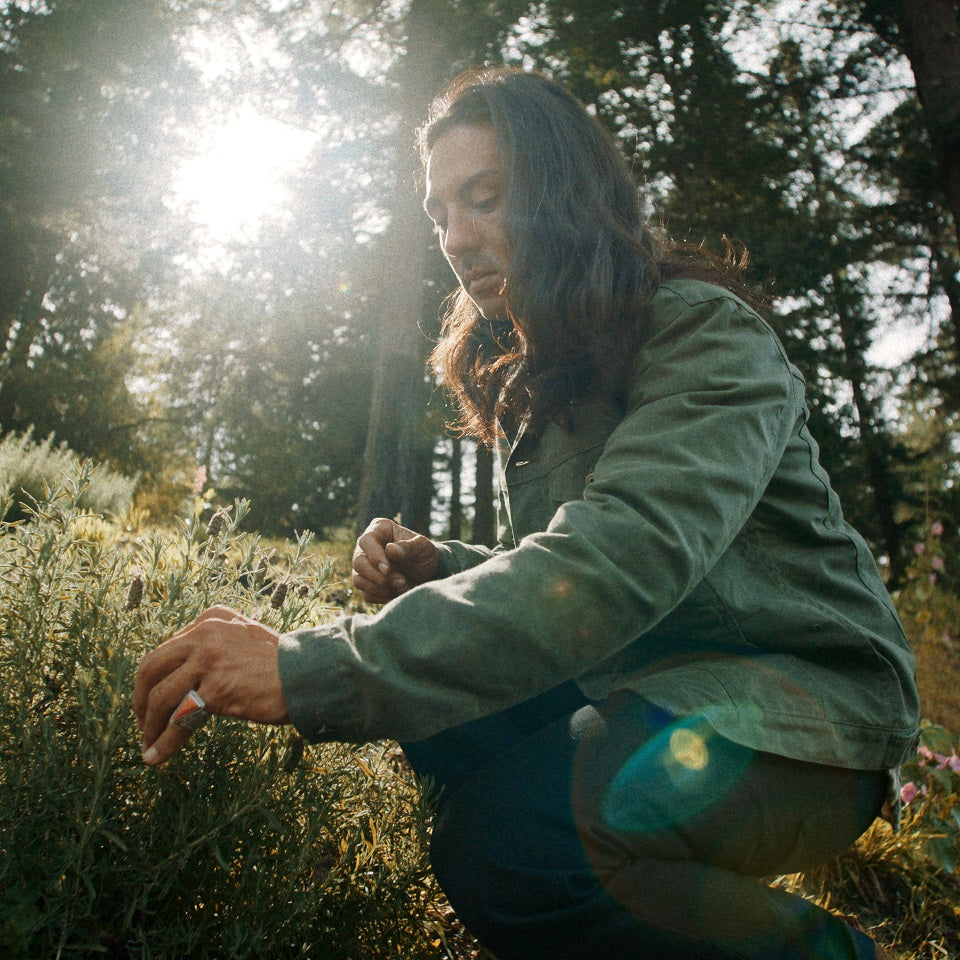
(389, 559)
(227, 658)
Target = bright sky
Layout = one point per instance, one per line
(237, 176)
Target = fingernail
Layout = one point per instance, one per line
(150, 756)
(384, 568)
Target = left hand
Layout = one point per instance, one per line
(230, 660)
(390, 559)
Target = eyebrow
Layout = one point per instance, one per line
(463, 191)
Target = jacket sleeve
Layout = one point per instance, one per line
(457, 556)
(711, 407)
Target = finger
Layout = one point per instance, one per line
(164, 698)
(168, 657)
(415, 558)
(154, 667)
(373, 551)
(218, 612)
(165, 746)
(372, 592)
(170, 741)
(363, 567)
(400, 553)
(394, 578)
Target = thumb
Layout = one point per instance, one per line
(417, 547)
(416, 557)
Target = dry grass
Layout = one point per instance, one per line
(938, 676)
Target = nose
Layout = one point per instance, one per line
(460, 236)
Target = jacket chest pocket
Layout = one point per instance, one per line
(568, 479)
(554, 469)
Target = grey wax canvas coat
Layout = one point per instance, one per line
(688, 547)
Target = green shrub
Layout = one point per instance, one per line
(245, 844)
(30, 469)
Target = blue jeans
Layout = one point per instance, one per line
(567, 830)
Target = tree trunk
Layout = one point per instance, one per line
(930, 30)
(871, 440)
(946, 268)
(423, 487)
(22, 333)
(386, 486)
(456, 490)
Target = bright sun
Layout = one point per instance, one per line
(236, 177)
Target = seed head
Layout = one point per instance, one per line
(135, 593)
(279, 595)
(218, 522)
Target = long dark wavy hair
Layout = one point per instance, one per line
(583, 261)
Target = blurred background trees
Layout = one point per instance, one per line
(211, 252)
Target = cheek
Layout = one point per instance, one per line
(498, 242)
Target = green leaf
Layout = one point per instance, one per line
(943, 851)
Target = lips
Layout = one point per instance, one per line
(482, 283)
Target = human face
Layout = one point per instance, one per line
(465, 201)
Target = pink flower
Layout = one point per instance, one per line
(936, 528)
(200, 480)
(919, 548)
(932, 578)
(954, 763)
(908, 792)
(925, 752)
(937, 563)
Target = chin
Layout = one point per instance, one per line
(491, 311)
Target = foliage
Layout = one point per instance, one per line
(29, 470)
(248, 843)
(927, 603)
(87, 92)
(930, 610)
(932, 795)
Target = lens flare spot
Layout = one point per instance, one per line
(561, 590)
(689, 749)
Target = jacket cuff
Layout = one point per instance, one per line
(456, 556)
(308, 664)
